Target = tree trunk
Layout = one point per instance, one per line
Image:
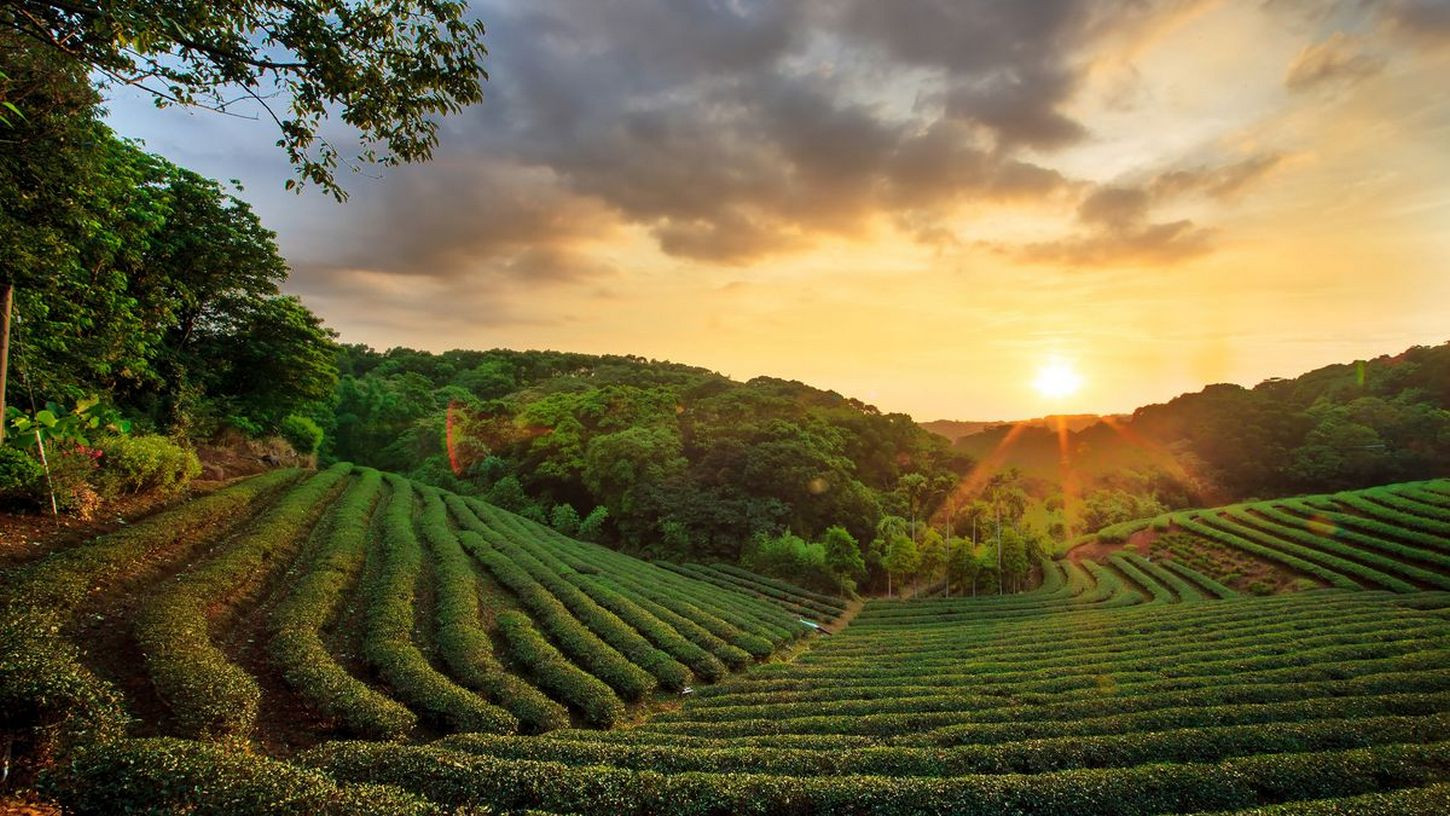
(999, 551)
(6, 295)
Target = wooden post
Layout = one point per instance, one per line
(6, 295)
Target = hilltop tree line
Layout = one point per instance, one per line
(1339, 427)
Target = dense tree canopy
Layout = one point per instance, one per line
(136, 279)
(685, 462)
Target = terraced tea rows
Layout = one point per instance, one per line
(478, 656)
(809, 605)
(1087, 696)
(1394, 538)
(290, 608)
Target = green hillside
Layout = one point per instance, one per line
(348, 641)
(293, 607)
(1394, 537)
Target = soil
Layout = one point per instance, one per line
(845, 618)
(285, 722)
(1256, 575)
(25, 537)
(26, 805)
(1096, 550)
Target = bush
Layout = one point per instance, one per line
(21, 477)
(134, 464)
(164, 775)
(301, 433)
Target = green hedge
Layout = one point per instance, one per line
(173, 776)
(594, 699)
(388, 626)
(636, 750)
(312, 602)
(208, 694)
(573, 637)
(461, 639)
(458, 779)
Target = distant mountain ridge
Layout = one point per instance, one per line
(955, 429)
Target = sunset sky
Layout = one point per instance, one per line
(917, 202)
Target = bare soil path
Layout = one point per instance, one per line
(844, 619)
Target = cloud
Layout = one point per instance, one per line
(1135, 242)
(476, 218)
(1337, 61)
(1119, 231)
(733, 131)
(1425, 22)
(1116, 220)
(1222, 182)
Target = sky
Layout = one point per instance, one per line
(918, 203)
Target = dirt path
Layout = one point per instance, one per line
(844, 619)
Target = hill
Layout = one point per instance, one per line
(1339, 427)
(953, 430)
(1394, 537)
(288, 608)
(672, 460)
(478, 660)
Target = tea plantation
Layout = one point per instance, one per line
(350, 642)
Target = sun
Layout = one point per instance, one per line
(1057, 379)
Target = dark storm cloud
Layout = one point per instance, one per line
(735, 129)
(476, 217)
(1007, 65)
(732, 130)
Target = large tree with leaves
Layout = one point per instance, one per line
(135, 278)
(387, 68)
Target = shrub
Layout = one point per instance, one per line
(388, 622)
(178, 776)
(301, 433)
(297, 645)
(134, 464)
(209, 695)
(21, 478)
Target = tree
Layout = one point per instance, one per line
(592, 527)
(791, 558)
(1015, 563)
(914, 487)
(565, 519)
(901, 559)
(843, 558)
(961, 564)
(933, 555)
(385, 67)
